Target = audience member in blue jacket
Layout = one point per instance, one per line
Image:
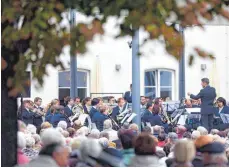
(27, 115)
(95, 106)
(99, 117)
(68, 108)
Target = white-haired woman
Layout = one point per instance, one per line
(37, 139)
(184, 153)
(21, 143)
(28, 150)
(107, 127)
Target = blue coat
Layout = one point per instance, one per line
(27, 117)
(92, 112)
(153, 119)
(68, 111)
(99, 118)
(56, 118)
(48, 118)
(115, 112)
(128, 97)
(225, 110)
(207, 96)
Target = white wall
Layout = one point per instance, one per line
(213, 39)
(112, 51)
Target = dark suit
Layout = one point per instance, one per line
(153, 119)
(116, 111)
(128, 97)
(92, 112)
(207, 96)
(99, 118)
(68, 111)
(38, 118)
(27, 116)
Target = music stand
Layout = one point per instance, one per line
(225, 118)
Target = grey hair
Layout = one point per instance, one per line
(195, 134)
(63, 125)
(202, 130)
(30, 141)
(65, 134)
(214, 131)
(31, 129)
(95, 133)
(21, 142)
(217, 156)
(104, 142)
(107, 124)
(52, 136)
(37, 138)
(82, 131)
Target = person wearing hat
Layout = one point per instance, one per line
(214, 155)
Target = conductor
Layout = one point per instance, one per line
(207, 96)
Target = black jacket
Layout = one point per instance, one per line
(37, 118)
(207, 96)
(68, 111)
(153, 119)
(27, 116)
(128, 97)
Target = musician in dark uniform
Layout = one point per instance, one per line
(59, 115)
(86, 105)
(207, 96)
(68, 108)
(38, 112)
(95, 105)
(100, 116)
(118, 109)
(128, 95)
(151, 116)
(221, 109)
(27, 115)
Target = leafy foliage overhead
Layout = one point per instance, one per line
(31, 32)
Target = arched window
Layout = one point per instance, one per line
(159, 83)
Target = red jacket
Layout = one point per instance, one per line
(21, 158)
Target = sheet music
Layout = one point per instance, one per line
(131, 117)
(192, 110)
(225, 118)
(148, 124)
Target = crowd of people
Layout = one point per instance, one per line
(53, 136)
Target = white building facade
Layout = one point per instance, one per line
(107, 67)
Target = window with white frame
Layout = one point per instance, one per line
(65, 82)
(159, 83)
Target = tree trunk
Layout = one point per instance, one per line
(9, 128)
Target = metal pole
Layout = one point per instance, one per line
(136, 79)
(73, 62)
(182, 68)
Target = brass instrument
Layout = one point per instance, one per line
(164, 114)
